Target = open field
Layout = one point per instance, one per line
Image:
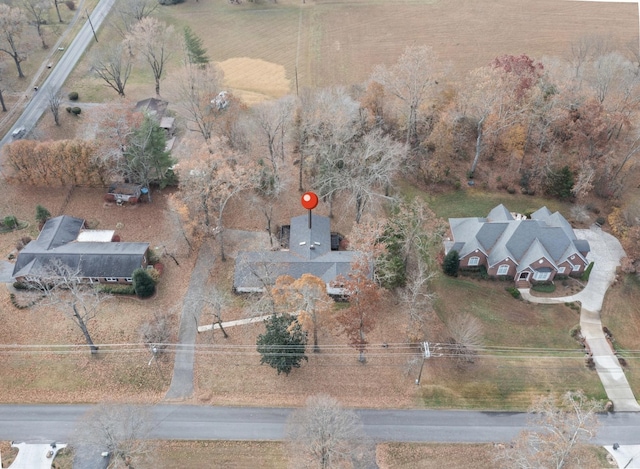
(264, 47)
(340, 42)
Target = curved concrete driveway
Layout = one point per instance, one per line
(606, 253)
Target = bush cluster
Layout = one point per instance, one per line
(117, 289)
(143, 283)
(585, 275)
(514, 292)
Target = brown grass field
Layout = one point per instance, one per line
(261, 46)
(340, 42)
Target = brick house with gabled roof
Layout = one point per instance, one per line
(527, 250)
(97, 260)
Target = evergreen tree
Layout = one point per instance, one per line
(42, 215)
(451, 263)
(282, 345)
(391, 268)
(143, 284)
(560, 183)
(145, 159)
(196, 53)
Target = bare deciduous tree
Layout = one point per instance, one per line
(214, 301)
(466, 337)
(12, 21)
(324, 435)
(114, 125)
(132, 11)
(38, 10)
(56, 4)
(417, 299)
(584, 49)
(195, 86)
(156, 332)
(271, 121)
(54, 105)
(63, 290)
(152, 40)
(410, 80)
(557, 429)
(488, 99)
(208, 182)
(122, 430)
(326, 121)
(113, 65)
(370, 168)
(2, 88)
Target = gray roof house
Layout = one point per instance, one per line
(512, 246)
(97, 259)
(309, 252)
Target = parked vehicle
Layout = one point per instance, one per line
(18, 133)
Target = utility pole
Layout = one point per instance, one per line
(154, 351)
(91, 24)
(425, 354)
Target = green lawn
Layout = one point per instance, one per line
(621, 315)
(528, 350)
(471, 202)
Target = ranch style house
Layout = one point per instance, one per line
(310, 250)
(512, 246)
(90, 253)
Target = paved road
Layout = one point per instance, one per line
(39, 103)
(34, 423)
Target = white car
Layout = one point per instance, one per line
(18, 133)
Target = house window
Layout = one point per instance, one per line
(541, 276)
(523, 276)
(475, 260)
(576, 267)
(128, 279)
(503, 269)
(561, 270)
(111, 279)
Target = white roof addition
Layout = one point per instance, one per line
(95, 236)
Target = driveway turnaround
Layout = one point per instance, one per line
(35, 456)
(605, 253)
(625, 456)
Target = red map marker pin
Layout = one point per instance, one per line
(309, 200)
